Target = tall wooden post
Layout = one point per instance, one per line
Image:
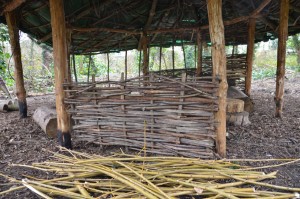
(11, 20)
(107, 56)
(216, 30)
(126, 68)
(199, 54)
(250, 55)
(281, 53)
(60, 62)
(145, 55)
(69, 38)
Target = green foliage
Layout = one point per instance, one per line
(4, 37)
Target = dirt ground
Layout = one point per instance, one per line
(23, 142)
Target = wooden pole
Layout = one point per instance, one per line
(89, 68)
(140, 61)
(184, 58)
(199, 55)
(281, 53)
(11, 20)
(69, 38)
(60, 61)
(126, 65)
(216, 30)
(160, 53)
(250, 55)
(74, 68)
(145, 56)
(107, 56)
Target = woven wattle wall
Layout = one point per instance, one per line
(166, 116)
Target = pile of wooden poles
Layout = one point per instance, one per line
(171, 116)
(81, 175)
(236, 69)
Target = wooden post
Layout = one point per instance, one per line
(173, 59)
(199, 55)
(140, 61)
(250, 55)
(11, 20)
(160, 53)
(60, 62)
(145, 56)
(281, 53)
(107, 55)
(89, 68)
(216, 30)
(126, 68)
(74, 68)
(184, 58)
(69, 38)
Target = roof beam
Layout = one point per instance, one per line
(12, 5)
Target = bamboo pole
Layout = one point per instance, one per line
(216, 29)
(160, 53)
(60, 62)
(281, 54)
(173, 59)
(199, 57)
(250, 55)
(184, 58)
(140, 61)
(11, 19)
(68, 66)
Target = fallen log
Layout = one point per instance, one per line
(46, 118)
(234, 105)
(3, 107)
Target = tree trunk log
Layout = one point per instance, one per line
(46, 118)
(250, 53)
(13, 30)
(216, 29)
(60, 63)
(234, 105)
(281, 54)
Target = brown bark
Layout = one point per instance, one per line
(250, 55)
(145, 56)
(13, 30)
(281, 54)
(126, 69)
(60, 63)
(216, 29)
(199, 54)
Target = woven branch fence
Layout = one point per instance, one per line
(166, 116)
(236, 70)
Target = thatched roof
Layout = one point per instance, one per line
(115, 25)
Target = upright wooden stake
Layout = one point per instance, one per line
(126, 65)
(199, 55)
(184, 58)
(89, 68)
(69, 38)
(281, 53)
(250, 55)
(13, 31)
(173, 60)
(140, 61)
(107, 56)
(216, 30)
(74, 68)
(160, 53)
(145, 56)
(60, 62)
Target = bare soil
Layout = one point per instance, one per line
(23, 142)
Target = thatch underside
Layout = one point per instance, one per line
(116, 25)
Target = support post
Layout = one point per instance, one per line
(60, 62)
(173, 59)
(69, 38)
(74, 68)
(145, 56)
(281, 54)
(216, 30)
(160, 53)
(199, 54)
(250, 55)
(107, 56)
(126, 68)
(11, 20)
